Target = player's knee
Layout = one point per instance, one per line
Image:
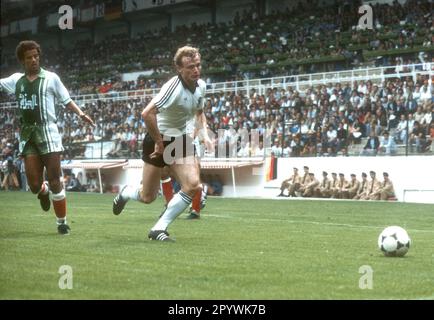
(147, 200)
(148, 197)
(193, 186)
(34, 187)
(55, 185)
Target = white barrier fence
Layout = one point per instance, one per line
(417, 195)
(412, 177)
(299, 82)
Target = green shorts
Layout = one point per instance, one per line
(40, 139)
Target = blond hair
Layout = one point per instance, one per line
(185, 51)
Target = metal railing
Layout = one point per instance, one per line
(303, 81)
(298, 82)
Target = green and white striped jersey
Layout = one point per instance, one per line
(37, 99)
(36, 104)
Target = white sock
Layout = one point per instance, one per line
(61, 221)
(131, 192)
(44, 188)
(175, 207)
(204, 191)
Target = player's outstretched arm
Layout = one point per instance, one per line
(83, 116)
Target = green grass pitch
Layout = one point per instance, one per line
(240, 249)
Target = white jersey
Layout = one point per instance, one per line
(177, 105)
(8, 84)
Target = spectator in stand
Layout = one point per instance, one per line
(392, 121)
(276, 149)
(387, 144)
(117, 145)
(372, 145)
(356, 132)
(419, 114)
(425, 92)
(401, 130)
(244, 151)
(257, 151)
(427, 117)
(332, 140)
(342, 138)
(418, 138)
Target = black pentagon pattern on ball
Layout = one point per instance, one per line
(401, 246)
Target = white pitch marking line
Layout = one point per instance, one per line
(314, 222)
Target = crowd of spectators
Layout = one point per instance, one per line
(324, 120)
(327, 119)
(308, 38)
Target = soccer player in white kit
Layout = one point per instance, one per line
(180, 100)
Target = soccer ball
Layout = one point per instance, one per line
(394, 241)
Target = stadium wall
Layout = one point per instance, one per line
(197, 16)
(226, 9)
(104, 30)
(68, 40)
(249, 179)
(412, 177)
(150, 24)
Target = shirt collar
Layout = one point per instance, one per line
(41, 73)
(186, 86)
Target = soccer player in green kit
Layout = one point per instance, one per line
(37, 92)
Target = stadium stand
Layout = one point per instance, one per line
(292, 41)
(360, 106)
(311, 78)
